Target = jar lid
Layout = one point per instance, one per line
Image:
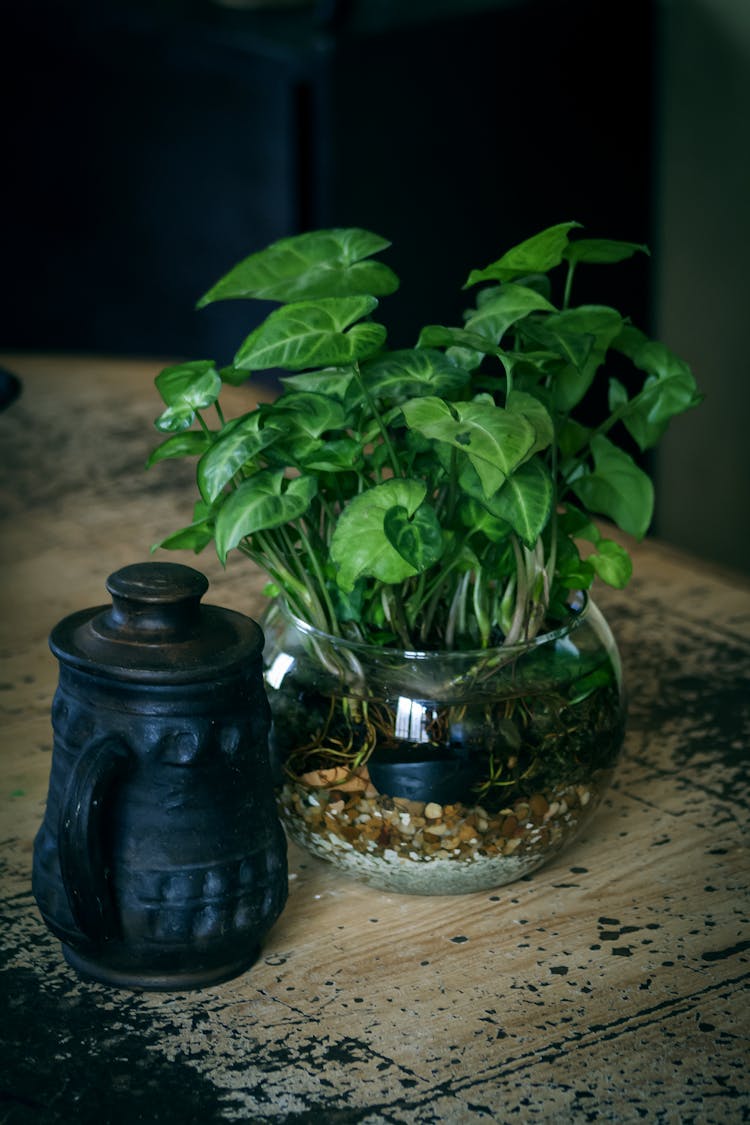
(156, 630)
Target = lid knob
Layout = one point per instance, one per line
(154, 601)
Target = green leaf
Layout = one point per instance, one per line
(525, 501)
(232, 377)
(360, 546)
(185, 388)
(537, 254)
(536, 413)
(326, 263)
(573, 572)
(618, 395)
(396, 376)
(264, 501)
(669, 390)
(194, 537)
(335, 382)
(617, 488)
(237, 444)
(612, 563)
(596, 326)
(313, 334)
(438, 336)
(578, 525)
(417, 538)
(195, 385)
(557, 335)
(510, 303)
(475, 514)
(494, 440)
(189, 444)
(305, 412)
(572, 437)
(337, 456)
(602, 250)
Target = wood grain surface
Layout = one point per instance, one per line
(608, 986)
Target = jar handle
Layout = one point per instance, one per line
(85, 870)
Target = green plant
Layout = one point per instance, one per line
(431, 497)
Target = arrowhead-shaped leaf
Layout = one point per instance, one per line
(537, 254)
(326, 263)
(264, 501)
(462, 341)
(335, 382)
(603, 251)
(189, 444)
(337, 456)
(412, 372)
(313, 334)
(582, 337)
(195, 536)
(617, 488)
(525, 501)
(536, 413)
(305, 411)
(238, 443)
(510, 304)
(523, 504)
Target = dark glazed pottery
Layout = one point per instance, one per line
(160, 863)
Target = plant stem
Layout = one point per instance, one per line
(568, 285)
(381, 424)
(522, 590)
(322, 585)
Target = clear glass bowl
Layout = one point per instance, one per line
(448, 772)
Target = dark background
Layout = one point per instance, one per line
(151, 145)
(158, 143)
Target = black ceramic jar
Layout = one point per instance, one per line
(160, 863)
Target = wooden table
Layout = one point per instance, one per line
(606, 987)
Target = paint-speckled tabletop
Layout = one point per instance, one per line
(608, 986)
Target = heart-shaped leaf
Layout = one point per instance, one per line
(494, 440)
(313, 334)
(417, 538)
(326, 263)
(360, 546)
